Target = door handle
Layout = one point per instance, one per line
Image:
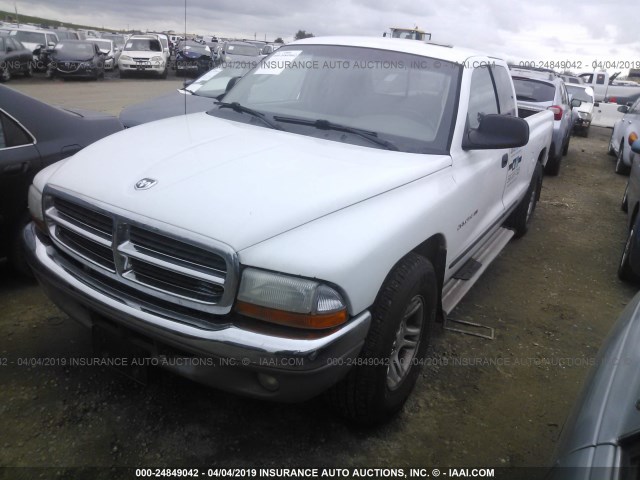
(16, 168)
(505, 160)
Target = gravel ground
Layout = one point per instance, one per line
(551, 298)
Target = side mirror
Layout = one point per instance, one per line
(623, 108)
(187, 83)
(635, 147)
(575, 103)
(231, 83)
(497, 132)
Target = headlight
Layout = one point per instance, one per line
(35, 207)
(291, 301)
(86, 65)
(156, 59)
(125, 57)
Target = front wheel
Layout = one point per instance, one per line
(5, 75)
(520, 217)
(625, 271)
(388, 366)
(621, 168)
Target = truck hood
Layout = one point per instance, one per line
(237, 183)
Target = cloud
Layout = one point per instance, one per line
(542, 30)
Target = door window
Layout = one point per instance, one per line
(12, 134)
(482, 97)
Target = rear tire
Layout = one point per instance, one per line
(520, 217)
(388, 365)
(553, 163)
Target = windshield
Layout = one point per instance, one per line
(103, 44)
(246, 50)
(580, 93)
(117, 39)
(214, 82)
(405, 99)
(528, 90)
(63, 35)
(78, 50)
(31, 37)
(143, 45)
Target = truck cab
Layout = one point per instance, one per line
(408, 34)
(604, 87)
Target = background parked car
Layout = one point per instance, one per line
(143, 54)
(67, 35)
(239, 52)
(193, 58)
(14, 58)
(108, 49)
(199, 96)
(40, 42)
(629, 266)
(34, 135)
(77, 59)
(600, 438)
(582, 102)
(625, 132)
(543, 89)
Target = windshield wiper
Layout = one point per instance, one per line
(236, 107)
(327, 125)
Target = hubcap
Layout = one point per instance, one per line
(406, 343)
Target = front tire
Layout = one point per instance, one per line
(388, 365)
(565, 149)
(621, 168)
(29, 71)
(624, 205)
(520, 217)
(5, 75)
(625, 272)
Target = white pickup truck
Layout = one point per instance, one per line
(605, 89)
(305, 234)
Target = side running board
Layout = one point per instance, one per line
(458, 286)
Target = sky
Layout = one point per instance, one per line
(582, 32)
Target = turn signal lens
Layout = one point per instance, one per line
(632, 138)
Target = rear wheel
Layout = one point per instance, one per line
(388, 365)
(565, 149)
(621, 168)
(553, 163)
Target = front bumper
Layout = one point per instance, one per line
(141, 67)
(239, 359)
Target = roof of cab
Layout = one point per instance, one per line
(415, 47)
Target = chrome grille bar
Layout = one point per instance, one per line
(136, 253)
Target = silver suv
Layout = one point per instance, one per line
(543, 89)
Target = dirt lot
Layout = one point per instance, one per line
(551, 298)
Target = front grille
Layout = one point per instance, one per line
(167, 265)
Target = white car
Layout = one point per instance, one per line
(143, 54)
(625, 132)
(582, 102)
(36, 40)
(111, 52)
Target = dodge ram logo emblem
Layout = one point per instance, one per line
(145, 183)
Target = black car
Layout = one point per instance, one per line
(14, 58)
(193, 58)
(34, 135)
(76, 58)
(199, 96)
